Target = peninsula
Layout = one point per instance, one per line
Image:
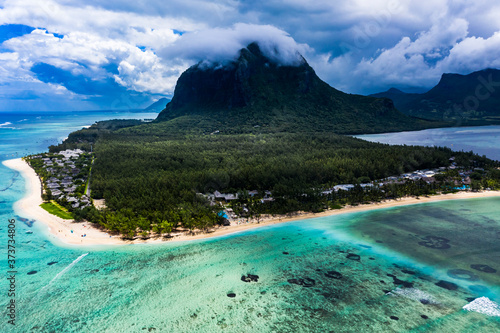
(249, 141)
(70, 232)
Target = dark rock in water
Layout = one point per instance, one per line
(470, 299)
(446, 285)
(462, 274)
(308, 282)
(424, 317)
(305, 282)
(249, 278)
(32, 272)
(483, 268)
(477, 288)
(408, 272)
(285, 252)
(394, 318)
(52, 263)
(398, 282)
(435, 242)
(424, 301)
(353, 256)
(231, 295)
(333, 275)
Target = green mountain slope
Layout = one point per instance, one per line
(253, 91)
(472, 99)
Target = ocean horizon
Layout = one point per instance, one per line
(407, 268)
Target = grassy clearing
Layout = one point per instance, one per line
(57, 210)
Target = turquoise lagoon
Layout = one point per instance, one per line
(363, 272)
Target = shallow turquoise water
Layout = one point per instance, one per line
(183, 287)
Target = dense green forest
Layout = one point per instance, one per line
(153, 181)
(248, 125)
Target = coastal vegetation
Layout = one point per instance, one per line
(161, 181)
(55, 209)
(256, 137)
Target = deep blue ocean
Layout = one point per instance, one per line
(377, 271)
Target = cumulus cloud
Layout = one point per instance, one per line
(135, 49)
(90, 55)
(446, 47)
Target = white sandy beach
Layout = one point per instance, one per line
(29, 207)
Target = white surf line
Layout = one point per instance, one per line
(58, 275)
(485, 306)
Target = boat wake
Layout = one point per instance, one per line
(58, 275)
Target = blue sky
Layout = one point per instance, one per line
(118, 54)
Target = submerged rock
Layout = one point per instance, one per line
(446, 285)
(398, 282)
(462, 274)
(308, 282)
(250, 278)
(353, 256)
(305, 282)
(483, 268)
(406, 271)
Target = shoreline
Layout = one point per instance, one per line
(70, 233)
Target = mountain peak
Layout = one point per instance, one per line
(260, 88)
(469, 99)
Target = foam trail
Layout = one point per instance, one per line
(63, 271)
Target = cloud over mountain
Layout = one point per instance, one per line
(142, 48)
